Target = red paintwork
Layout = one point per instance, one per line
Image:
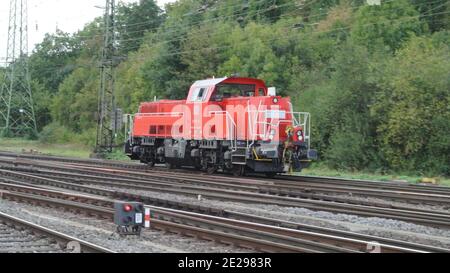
(195, 120)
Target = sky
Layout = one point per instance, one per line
(45, 15)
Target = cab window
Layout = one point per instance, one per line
(261, 92)
(199, 94)
(224, 91)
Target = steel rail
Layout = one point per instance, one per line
(196, 227)
(61, 238)
(351, 240)
(302, 185)
(299, 189)
(427, 218)
(121, 178)
(99, 162)
(286, 178)
(261, 237)
(87, 179)
(348, 242)
(303, 188)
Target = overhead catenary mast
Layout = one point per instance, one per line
(17, 116)
(107, 114)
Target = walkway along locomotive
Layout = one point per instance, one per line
(233, 124)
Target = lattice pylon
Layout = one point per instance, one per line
(106, 130)
(17, 117)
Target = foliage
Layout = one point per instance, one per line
(386, 26)
(134, 21)
(54, 133)
(414, 106)
(434, 13)
(53, 59)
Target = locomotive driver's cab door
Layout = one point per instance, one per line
(197, 101)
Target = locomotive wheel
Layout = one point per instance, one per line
(170, 166)
(151, 164)
(270, 175)
(238, 170)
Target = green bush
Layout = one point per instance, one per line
(87, 137)
(58, 134)
(55, 133)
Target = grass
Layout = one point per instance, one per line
(320, 170)
(23, 145)
(118, 154)
(68, 150)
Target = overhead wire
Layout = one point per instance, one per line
(178, 52)
(199, 31)
(177, 27)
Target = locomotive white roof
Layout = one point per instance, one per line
(208, 82)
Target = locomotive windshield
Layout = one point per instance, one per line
(233, 90)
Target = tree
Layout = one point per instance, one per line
(53, 59)
(388, 25)
(414, 106)
(75, 104)
(135, 20)
(352, 139)
(435, 13)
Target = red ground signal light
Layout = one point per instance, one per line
(127, 207)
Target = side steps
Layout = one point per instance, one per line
(238, 157)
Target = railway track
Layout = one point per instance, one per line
(20, 236)
(98, 162)
(286, 185)
(260, 233)
(286, 178)
(82, 175)
(303, 188)
(179, 223)
(94, 176)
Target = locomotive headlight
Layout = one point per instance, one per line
(275, 100)
(300, 135)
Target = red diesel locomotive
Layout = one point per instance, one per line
(232, 124)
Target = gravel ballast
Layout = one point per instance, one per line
(102, 232)
(381, 227)
(14, 240)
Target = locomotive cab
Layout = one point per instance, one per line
(231, 124)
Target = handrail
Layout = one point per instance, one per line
(251, 124)
(161, 114)
(233, 135)
(302, 119)
(129, 128)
